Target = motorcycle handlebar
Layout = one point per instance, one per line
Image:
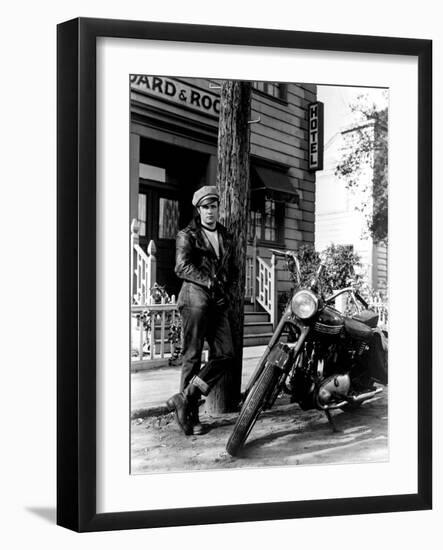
(315, 280)
(290, 254)
(281, 252)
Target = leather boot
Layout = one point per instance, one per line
(197, 427)
(179, 403)
(193, 395)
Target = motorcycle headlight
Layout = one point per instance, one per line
(304, 304)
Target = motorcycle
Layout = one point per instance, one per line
(324, 359)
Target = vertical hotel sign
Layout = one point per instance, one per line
(315, 142)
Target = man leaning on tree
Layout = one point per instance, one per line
(204, 263)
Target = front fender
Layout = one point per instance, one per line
(304, 331)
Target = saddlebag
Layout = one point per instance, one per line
(368, 317)
(375, 360)
(358, 330)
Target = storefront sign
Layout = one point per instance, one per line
(177, 92)
(315, 120)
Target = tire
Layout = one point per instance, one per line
(251, 409)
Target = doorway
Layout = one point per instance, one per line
(169, 176)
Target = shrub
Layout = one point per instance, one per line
(340, 261)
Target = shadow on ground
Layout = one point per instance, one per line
(285, 435)
(314, 437)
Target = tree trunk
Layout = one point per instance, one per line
(233, 186)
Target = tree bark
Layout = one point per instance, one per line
(233, 186)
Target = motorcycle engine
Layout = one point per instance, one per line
(332, 390)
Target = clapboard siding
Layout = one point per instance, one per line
(309, 87)
(297, 166)
(270, 106)
(292, 142)
(382, 266)
(297, 115)
(273, 154)
(308, 206)
(291, 233)
(292, 222)
(308, 237)
(306, 226)
(293, 212)
(289, 126)
(289, 150)
(307, 195)
(309, 216)
(290, 147)
(296, 95)
(293, 116)
(300, 94)
(283, 127)
(308, 177)
(282, 105)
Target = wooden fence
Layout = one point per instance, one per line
(152, 314)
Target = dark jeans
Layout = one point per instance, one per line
(203, 319)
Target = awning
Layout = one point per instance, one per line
(276, 184)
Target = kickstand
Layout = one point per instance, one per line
(331, 421)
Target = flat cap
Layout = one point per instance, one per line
(205, 194)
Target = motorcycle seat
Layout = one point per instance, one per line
(368, 317)
(357, 329)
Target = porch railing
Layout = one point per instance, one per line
(143, 267)
(151, 317)
(250, 279)
(149, 333)
(266, 287)
(380, 306)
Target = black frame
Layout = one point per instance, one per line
(76, 278)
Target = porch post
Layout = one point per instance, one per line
(134, 169)
(151, 271)
(135, 227)
(274, 292)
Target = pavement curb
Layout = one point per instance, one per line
(159, 410)
(149, 394)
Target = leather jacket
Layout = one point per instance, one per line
(197, 262)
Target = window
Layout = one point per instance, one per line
(274, 89)
(269, 222)
(266, 221)
(168, 219)
(142, 214)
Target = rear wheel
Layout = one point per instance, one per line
(251, 408)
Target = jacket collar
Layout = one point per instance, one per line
(224, 240)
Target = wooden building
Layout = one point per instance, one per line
(174, 128)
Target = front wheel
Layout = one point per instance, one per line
(251, 408)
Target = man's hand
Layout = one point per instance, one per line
(218, 292)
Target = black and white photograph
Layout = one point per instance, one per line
(222, 254)
(259, 247)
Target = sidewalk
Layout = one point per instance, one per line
(151, 388)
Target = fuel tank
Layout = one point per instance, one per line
(329, 321)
